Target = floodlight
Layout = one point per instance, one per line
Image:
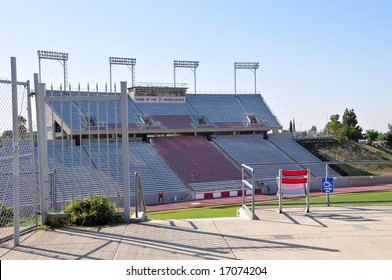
(253, 66)
(62, 57)
(246, 65)
(186, 63)
(122, 60)
(52, 55)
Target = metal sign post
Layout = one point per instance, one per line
(327, 186)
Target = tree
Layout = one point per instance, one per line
(351, 132)
(22, 120)
(7, 134)
(349, 117)
(350, 127)
(388, 136)
(334, 126)
(334, 118)
(291, 126)
(22, 127)
(371, 135)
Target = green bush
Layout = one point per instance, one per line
(6, 215)
(93, 211)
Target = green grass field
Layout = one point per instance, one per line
(219, 211)
(353, 197)
(231, 210)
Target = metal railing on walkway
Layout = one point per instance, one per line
(251, 181)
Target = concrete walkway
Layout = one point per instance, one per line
(337, 233)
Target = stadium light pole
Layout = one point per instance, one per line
(186, 64)
(253, 66)
(59, 56)
(130, 62)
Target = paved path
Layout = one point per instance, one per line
(326, 233)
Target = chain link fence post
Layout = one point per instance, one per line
(42, 149)
(18, 191)
(125, 152)
(15, 150)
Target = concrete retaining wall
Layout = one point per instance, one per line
(355, 181)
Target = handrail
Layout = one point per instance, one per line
(245, 168)
(248, 168)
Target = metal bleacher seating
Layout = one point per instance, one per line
(231, 110)
(196, 161)
(169, 115)
(255, 149)
(174, 122)
(255, 104)
(109, 112)
(74, 177)
(218, 108)
(286, 143)
(71, 115)
(74, 113)
(179, 163)
(25, 173)
(173, 109)
(156, 175)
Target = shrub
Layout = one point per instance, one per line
(6, 215)
(91, 211)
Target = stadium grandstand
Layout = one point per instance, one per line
(185, 146)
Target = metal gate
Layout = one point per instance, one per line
(82, 135)
(18, 172)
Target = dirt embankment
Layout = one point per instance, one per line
(345, 150)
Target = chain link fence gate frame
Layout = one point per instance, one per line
(76, 135)
(18, 176)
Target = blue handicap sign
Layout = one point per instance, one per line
(327, 185)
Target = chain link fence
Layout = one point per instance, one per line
(24, 177)
(85, 139)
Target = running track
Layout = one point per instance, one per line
(238, 199)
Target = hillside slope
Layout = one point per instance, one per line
(345, 150)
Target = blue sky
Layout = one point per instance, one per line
(316, 57)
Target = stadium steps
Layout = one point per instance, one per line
(104, 185)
